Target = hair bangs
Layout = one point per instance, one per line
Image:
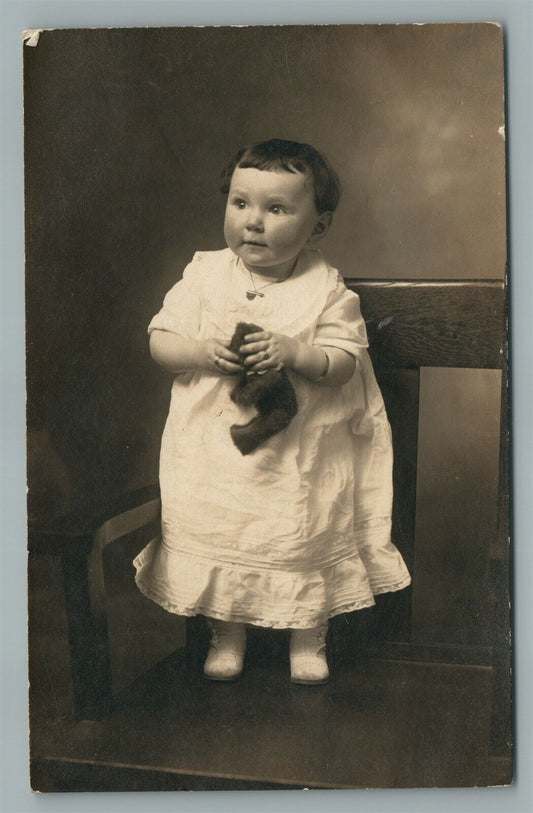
(290, 156)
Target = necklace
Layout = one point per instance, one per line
(257, 291)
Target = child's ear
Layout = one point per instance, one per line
(321, 227)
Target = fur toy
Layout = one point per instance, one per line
(271, 393)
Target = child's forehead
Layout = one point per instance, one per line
(273, 179)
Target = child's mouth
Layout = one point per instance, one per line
(252, 243)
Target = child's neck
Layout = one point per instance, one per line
(272, 274)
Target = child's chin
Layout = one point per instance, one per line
(254, 260)
(259, 253)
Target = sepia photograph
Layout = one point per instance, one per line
(267, 407)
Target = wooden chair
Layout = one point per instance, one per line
(411, 325)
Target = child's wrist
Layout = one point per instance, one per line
(200, 355)
(311, 362)
(297, 357)
(325, 367)
(292, 357)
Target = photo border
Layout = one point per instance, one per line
(517, 19)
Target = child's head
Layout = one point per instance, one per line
(281, 196)
(291, 156)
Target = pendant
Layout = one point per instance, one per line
(253, 294)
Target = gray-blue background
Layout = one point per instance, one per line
(18, 16)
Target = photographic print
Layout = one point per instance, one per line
(267, 408)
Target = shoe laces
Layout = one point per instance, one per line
(215, 637)
(320, 636)
(219, 634)
(314, 639)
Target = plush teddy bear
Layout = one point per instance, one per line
(271, 393)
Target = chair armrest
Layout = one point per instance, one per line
(75, 533)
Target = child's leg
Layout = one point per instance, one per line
(308, 655)
(226, 653)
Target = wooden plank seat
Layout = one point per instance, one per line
(411, 325)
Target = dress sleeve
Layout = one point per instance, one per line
(340, 324)
(181, 311)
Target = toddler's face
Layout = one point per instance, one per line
(270, 217)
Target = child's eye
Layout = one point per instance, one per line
(276, 209)
(239, 203)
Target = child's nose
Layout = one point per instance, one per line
(255, 220)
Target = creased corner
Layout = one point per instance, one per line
(31, 37)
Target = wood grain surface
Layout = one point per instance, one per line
(433, 324)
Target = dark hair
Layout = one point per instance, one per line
(292, 157)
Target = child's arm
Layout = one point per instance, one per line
(337, 365)
(330, 366)
(177, 354)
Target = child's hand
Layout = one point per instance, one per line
(268, 351)
(218, 359)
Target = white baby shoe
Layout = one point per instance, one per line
(308, 655)
(226, 653)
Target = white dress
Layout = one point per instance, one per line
(299, 530)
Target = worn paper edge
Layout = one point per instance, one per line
(31, 36)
